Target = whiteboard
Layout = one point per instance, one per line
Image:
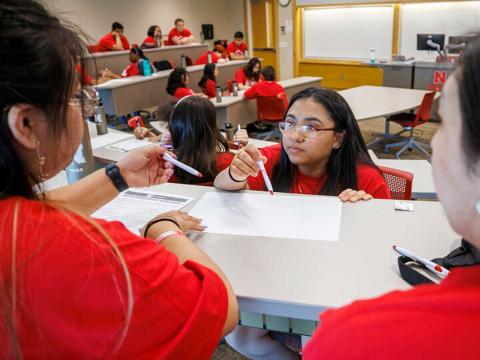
(348, 32)
(449, 18)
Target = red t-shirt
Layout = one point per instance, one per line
(240, 76)
(203, 59)
(210, 89)
(85, 78)
(232, 48)
(428, 322)
(180, 34)
(263, 89)
(369, 179)
(149, 42)
(223, 161)
(72, 294)
(181, 92)
(108, 41)
(131, 70)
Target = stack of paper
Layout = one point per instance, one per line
(130, 144)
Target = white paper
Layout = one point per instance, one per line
(263, 215)
(135, 207)
(130, 144)
(107, 139)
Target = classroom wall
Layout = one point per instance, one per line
(285, 41)
(96, 16)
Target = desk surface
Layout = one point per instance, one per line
(369, 102)
(299, 278)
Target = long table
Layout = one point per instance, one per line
(116, 61)
(124, 96)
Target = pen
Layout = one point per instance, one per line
(437, 269)
(265, 176)
(181, 165)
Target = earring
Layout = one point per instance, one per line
(41, 164)
(477, 206)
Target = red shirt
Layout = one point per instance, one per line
(131, 70)
(181, 92)
(232, 48)
(263, 89)
(203, 59)
(223, 161)
(108, 41)
(241, 77)
(210, 89)
(72, 291)
(180, 34)
(369, 179)
(150, 42)
(427, 322)
(85, 78)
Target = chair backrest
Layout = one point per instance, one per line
(230, 86)
(132, 122)
(423, 112)
(92, 49)
(272, 108)
(399, 182)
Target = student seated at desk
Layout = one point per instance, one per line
(208, 82)
(86, 79)
(266, 87)
(180, 35)
(114, 41)
(216, 57)
(177, 84)
(153, 39)
(247, 75)
(136, 58)
(73, 286)
(236, 49)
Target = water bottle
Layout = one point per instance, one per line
(100, 119)
(183, 61)
(218, 93)
(158, 41)
(372, 56)
(202, 38)
(83, 163)
(209, 57)
(147, 70)
(246, 54)
(234, 88)
(229, 131)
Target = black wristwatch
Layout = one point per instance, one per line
(113, 172)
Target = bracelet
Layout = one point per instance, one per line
(154, 221)
(113, 172)
(233, 179)
(168, 234)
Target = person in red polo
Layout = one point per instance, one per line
(236, 49)
(114, 41)
(180, 35)
(267, 86)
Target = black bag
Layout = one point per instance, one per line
(163, 65)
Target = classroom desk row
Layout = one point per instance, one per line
(116, 61)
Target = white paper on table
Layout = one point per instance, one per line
(130, 144)
(263, 215)
(135, 207)
(107, 139)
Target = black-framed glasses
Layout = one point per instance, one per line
(288, 128)
(87, 99)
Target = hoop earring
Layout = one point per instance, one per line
(41, 164)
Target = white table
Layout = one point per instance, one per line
(238, 110)
(297, 279)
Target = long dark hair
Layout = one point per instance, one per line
(343, 162)
(151, 30)
(196, 138)
(175, 80)
(137, 51)
(208, 74)
(39, 55)
(249, 69)
(469, 94)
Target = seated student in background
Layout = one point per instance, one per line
(114, 41)
(136, 57)
(74, 286)
(236, 49)
(154, 38)
(180, 35)
(216, 57)
(322, 152)
(177, 84)
(208, 82)
(431, 321)
(86, 79)
(247, 75)
(219, 46)
(266, 87)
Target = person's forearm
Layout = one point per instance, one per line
(86, 195)
(236, 57)
(224, 182)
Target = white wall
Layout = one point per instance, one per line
(285, 42)
(96, 16)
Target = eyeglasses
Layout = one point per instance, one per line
(288, 128)
(87, 99)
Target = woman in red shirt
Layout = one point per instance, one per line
(153, 39)
(208, 82)
(429, 321)
(135, 55)
(249, 74)
(177, 84)
(71, 286)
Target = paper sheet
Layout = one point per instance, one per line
(135, 207)
(107, 139)
(130, 144)
(263, 215)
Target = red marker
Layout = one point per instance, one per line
(181, 165)
(435, 268)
